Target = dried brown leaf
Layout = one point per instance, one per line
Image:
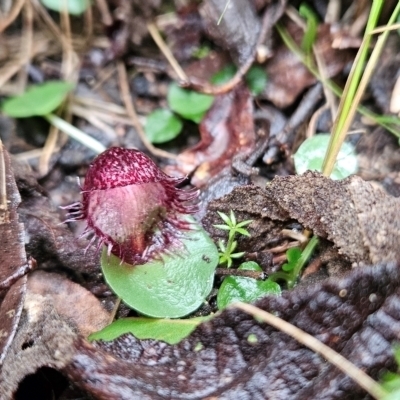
(226, 130)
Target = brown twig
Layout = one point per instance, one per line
(130, 109)
(114, 310)
(155, 34)
(240, 272)
(12, 15)
(3, 188)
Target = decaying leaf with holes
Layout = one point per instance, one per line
(232, 356)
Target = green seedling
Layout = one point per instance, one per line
(227, 251)
(163, 125)
(390, 381)
(296, 260)
(244, 289)
(256, 78)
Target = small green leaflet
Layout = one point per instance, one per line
(38, 100)
(311, 153)
(293, 255)
(171, 331)
(162, 125)
(256, 78)
(237, 288)
(171, 288)
(310, 34)
(187, 103)
(74, 7)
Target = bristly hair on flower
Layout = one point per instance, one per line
(133, 207)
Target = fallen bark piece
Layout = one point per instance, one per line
(13, 262)
(56, 312)
(360, 219)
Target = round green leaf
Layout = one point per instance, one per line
(256, 79)
(171, 288)
(162, 126)
(311, 153)
(171, 331)
(38, 100)
(224, 75)
(74, 7)
(187, 103)
(237, 288)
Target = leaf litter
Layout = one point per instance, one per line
(354, 308)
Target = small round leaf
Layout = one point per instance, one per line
(187, 103)
(256, 79)
(162, 126)
(171, 288)
(237, 288)
(74, 7)
(38, 100)
(311, 153)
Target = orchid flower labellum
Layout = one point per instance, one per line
(133, 207)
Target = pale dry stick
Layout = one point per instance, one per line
(385, 28)
(12, 15)
(67, 70)
(312, 125)
(88, 27)
(332, 11)
(42, 12)
(26, 45)
(105, 117)
(358, 25)
(240, 272)
(329, 95)
(294, 15)
(155, 34)
(67, 66)
(28, 155)
(114, 310)
(105, 12)
(48, 150)
(24, 55)
(104, 75)
(100, 105)
(4, 218)
(340, 362)
(9, 71)
(95, 120)
(127, 100)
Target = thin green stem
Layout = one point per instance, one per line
(352, 92)
(292, 46)
(75, 133)
(292, 276)
(305, 255)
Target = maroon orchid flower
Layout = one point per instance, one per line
(133, 207)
